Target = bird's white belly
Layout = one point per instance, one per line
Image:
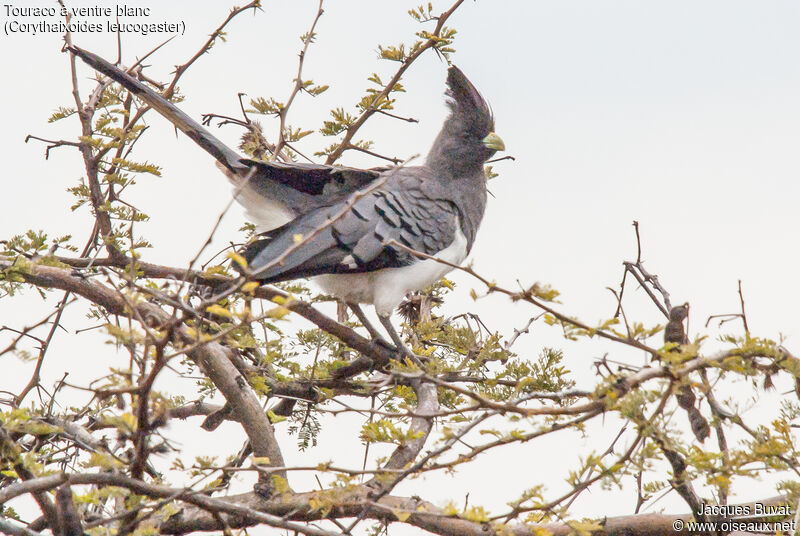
(386, 288)
(266, 214)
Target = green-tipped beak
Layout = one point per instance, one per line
(494, 142)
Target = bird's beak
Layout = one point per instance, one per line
(494, 142)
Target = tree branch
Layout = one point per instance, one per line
(246, 510)
(347, 140)
(210, 357)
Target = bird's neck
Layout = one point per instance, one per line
(449, 160)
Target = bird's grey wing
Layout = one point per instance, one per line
(356, 235)
(296, 186)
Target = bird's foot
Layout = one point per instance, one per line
(399, 346)
(373, 333)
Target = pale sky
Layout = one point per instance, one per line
(683, 115)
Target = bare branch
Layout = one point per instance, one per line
(298, 84)
(347, 140)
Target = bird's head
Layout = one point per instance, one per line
(467, 139)
(679, 312)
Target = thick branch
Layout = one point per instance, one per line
(10, 451)
(216, 365)
(210, 357)
(376, 356)
(249, 509)
(421, 425)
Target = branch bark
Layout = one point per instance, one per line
(249, 509)
(210, 357)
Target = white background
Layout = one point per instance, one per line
(682, 115)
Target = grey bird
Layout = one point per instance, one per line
(356, 231)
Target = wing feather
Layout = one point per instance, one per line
(358, 239)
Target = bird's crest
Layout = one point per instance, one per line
(465, 100)
(464, 143)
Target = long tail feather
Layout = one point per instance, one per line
(224, 154)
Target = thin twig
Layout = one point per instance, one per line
(347, 140)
